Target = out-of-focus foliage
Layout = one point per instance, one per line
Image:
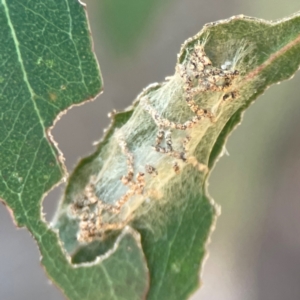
(124, 23)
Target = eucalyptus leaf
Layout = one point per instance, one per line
(174, 215)
(47, 65)
(153, 225)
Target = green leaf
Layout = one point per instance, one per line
(47, 65)
(174, 214)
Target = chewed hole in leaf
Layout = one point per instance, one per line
(51, 202)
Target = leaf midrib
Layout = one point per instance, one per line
(254, 73)
(17, 44)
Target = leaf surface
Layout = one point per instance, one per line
(175, 215)
(47, 65)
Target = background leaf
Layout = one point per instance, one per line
(124, 23)
(187, 215)
(46, 66)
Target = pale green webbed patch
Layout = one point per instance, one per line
(173, 134)
(157, 142)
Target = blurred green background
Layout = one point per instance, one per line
(255, 249)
